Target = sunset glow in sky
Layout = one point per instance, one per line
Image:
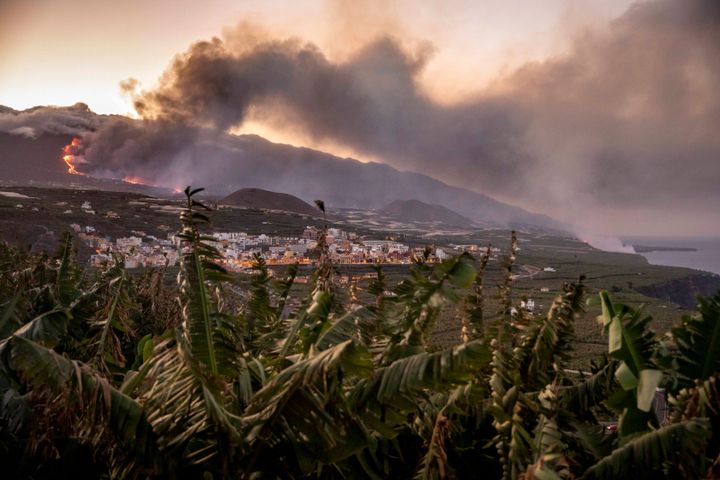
(600, 113)
(64, 51)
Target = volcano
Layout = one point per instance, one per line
(225, 163)
(259, 199)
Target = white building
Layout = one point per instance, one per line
(398, 248)
(87, 208)
(127, 243)
(440, 254)
(310, 233)
(298, 248)
(99, 259)
(336, 233)
(134, 261)
(528, 306)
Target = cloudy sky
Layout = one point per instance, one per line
(64, 51)
(600, 113)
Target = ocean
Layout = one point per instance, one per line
(706, 257)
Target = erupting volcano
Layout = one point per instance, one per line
(134, 180)
(70, 156)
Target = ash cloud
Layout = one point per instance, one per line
(370, 102)
(623, 126)
(77, 119)
(632, 110)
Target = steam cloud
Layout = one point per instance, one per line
(74, 120)
(628, 117)
(604, 242)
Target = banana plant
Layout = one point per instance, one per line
(545, 346)
(113, 323)
(475, 302)
(420, 299)
(100, 406)
(698, 341)
(637, 351)
(667, 452)
(188, 394)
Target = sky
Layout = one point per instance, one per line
(64, 51)
(603, 114)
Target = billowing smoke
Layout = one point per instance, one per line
(74, 120)
(370, 102)
(623, 126)
(629, 118)
(605, 242)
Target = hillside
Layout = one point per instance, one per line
(23, 158)
(260, 199)
(229, 163)
(417, 211)
(346, 182)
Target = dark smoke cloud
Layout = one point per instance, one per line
(628, 116)
(370, 102)
(634, 110)
(74, 120)
(626, 121)
(126, 147)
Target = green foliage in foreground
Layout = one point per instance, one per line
(106, 374)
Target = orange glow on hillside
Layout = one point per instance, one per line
(68, 156)
(134, 180)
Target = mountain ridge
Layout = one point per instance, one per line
(224, 163)
(259, 199)
(415, 210)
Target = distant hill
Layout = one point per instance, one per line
(27, 161)
(231, 162)
(40, 159)
(266, 200)
(417, 211)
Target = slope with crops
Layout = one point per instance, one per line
(112, 375)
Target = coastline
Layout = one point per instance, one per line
(698, 253)
(648, 249)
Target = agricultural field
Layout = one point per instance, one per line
(36, 217)
(290, 372)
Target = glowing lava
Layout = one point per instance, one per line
(134, 180)
(70, 155)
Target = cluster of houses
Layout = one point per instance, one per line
(137, 250)
(344, 247)
(239, 248)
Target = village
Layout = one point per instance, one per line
(239, 248)
(140, 249)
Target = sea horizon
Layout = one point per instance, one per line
(705, 257)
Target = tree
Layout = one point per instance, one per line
(336, 391)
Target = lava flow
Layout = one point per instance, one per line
(134, 180)
(70, 155)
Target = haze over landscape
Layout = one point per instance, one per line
(600, 116)
(352, 239)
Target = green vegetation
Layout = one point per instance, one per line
(104, 374)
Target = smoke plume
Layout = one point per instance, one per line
(623, 126)
(74, 120)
